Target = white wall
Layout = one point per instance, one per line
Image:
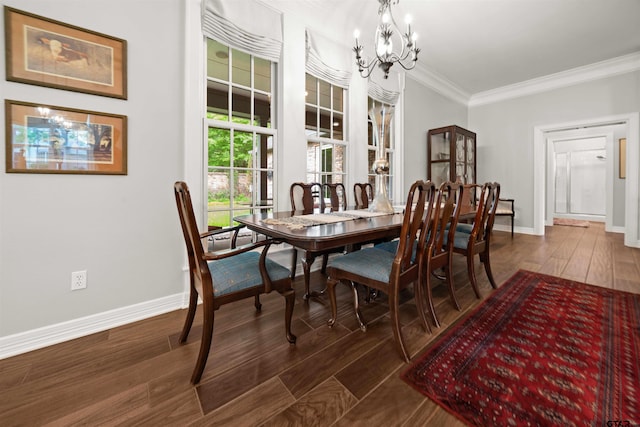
(425, 109)
(123, 230)
(506, 137)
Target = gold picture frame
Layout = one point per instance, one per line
(622, 167)
(51, 139)
(44, 52)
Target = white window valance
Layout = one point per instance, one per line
(384, 90)
(328, 60)
(246, 25)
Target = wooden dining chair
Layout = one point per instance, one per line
(305, 199)
(474, 239)
(387, 271)
(363, 194)
(506, 208)
(336, 194)
(439, 253)
(226, 276)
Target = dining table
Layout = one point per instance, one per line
(322, 231)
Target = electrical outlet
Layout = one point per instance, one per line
(78, 280)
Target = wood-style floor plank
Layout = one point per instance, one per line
(138, 374)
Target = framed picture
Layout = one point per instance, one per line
(622, 167)
(50, 139)
(45, 52)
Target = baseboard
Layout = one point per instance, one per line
(23, 342)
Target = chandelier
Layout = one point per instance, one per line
(386, 33)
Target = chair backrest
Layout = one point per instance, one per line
(445, 218)
(336, 194)
(419, 207)
(199, 270)
(486, 212)
(363, 194)
(306, 196)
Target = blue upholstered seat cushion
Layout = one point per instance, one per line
(464, 228)
(372, 263)
(242, 272)
(392, 247)
(460, 239)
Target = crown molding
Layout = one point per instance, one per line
(438, 83)
(620, 65)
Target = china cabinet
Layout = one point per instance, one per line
(451, 155)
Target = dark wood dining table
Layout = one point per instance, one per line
(321, 237)
(313, 239)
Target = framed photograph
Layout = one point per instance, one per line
(622, 167)
(50, 139)
(45, 52)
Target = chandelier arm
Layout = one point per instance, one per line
(386, 32)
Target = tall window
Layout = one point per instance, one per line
(372, 153)
(240, 136)
(324, 125)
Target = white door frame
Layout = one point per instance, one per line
(632, 120)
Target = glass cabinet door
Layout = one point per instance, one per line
(451, 155)
(440, 157)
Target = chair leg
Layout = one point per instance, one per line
(290, 298)
(429, 295)
(417, 286)
(257, 303)
(191, 313)
(449, 276)
(205, 344)
(512, 226)
(294, 263)
(356, 307)
(395, 326)
(484, 257)
(472, 273)
(331, 290)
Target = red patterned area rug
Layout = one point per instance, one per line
(540, 350)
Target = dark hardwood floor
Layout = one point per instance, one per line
(138, 375)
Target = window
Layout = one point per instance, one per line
(324, 125)
(372, 150)
(240, 133)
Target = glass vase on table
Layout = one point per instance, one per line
(381, 116)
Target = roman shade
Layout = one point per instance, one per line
(248, 25)
(384, 90)
(328, 60)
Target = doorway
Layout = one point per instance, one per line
(630, 213)
(578, 171)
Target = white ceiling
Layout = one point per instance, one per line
(479, 45)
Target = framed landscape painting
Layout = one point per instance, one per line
(50, 139)
(45, 52)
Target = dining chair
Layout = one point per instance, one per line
(363, 194)
(439, 248)
(387, 271)
(506, 208)
(226, 276)
(472, 239)
(336, 194)
(305, 198)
